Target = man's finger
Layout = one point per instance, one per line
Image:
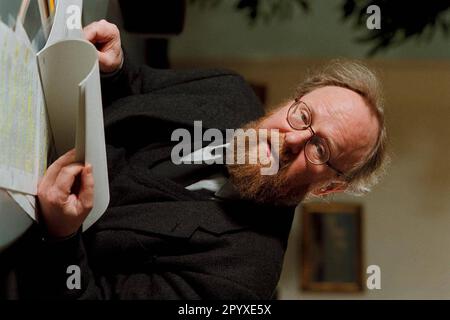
(66, 177)
(108, 59)
(100, 31)
(86, 196)
(90, 32)
(52, 172)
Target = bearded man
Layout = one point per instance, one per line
(195, 230)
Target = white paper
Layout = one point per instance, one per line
(71, 81)
(65, 76)
(70, 78)
(20, 111)
(63, 66)
(63, 26)
(26, 202)
(94, 146)
(14, 222)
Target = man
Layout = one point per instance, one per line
(163, 238)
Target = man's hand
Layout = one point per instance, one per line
(106, 37)
(64, 209)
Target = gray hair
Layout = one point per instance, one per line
(360, 79)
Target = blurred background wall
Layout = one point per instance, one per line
(407, 216)
(321, 32)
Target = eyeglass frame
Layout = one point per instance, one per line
(327, 163)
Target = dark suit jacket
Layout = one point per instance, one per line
(158, 240)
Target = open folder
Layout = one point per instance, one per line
(51, 103)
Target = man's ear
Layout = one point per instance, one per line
(332, 187)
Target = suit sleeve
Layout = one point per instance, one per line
(126, 82)
(55, 270)
(61, 271)
(133, 80)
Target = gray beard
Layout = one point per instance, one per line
(267, 189)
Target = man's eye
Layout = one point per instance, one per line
(320, 150)
(305, 118)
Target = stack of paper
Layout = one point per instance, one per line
(49, 100)
(23, 131)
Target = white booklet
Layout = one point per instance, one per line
(49, 103)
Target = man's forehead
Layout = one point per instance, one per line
(333, 97)
(345, 120)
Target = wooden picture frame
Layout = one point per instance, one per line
(332, 257)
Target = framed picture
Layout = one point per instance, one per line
(331, 247)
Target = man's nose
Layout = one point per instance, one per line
(295, 140)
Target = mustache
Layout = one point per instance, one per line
(282, 154)
(251, 183)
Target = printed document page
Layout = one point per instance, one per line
(21, 115)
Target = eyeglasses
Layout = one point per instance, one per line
(316, 149)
